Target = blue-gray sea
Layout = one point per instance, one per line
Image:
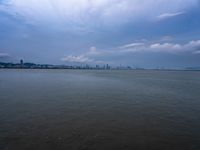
(99, 110)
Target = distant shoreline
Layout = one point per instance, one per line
(98, 69)
(22, 65)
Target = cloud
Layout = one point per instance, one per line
(169, 15)
(152, 47)
(108, 56)
(87, 13)
(91, 56)
(93, 51)
(194, 44)
(166, 47)
(77, 59)
(132, 45)
(4, 55)
(173, 48)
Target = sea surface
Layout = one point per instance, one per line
(99, 110)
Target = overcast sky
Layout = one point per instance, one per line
(140, 33)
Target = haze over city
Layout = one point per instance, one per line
(161, 33)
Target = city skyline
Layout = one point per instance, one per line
(31, 65)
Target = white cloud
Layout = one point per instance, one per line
(194, 44)
(92, 55)
(100, 56)
(152, 47)
(148, 46)
(166, 47)
(169, 15)
(92, 12)
(4, 55)
(132, 45)
(77, 59)
(173, 48)
(93, 51)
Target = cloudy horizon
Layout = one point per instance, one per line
(161, 33)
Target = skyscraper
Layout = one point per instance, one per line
(21, 63)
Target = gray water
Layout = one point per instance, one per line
(99, 110)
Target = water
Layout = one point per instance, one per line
(99, 110)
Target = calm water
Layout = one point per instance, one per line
(99, 110)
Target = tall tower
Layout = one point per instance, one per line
(21, 63)
(107, 67)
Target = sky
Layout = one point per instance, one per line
(138, 33)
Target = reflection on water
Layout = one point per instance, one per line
(99, 110)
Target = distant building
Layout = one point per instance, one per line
(97, 67)
(21, 63)
(107, 67)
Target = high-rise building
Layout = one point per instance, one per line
(21, 63)
(107, 67)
